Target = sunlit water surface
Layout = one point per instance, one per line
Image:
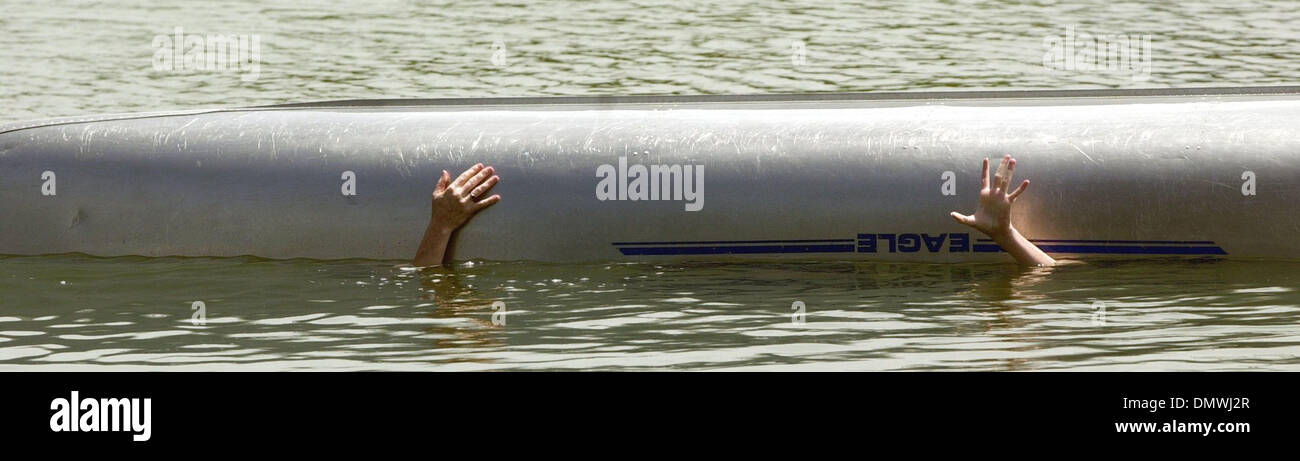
(76, 57)
(76, 312)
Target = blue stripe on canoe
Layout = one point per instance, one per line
(736, 249)
(736, 242)
(1120, 242)
(1118, 250)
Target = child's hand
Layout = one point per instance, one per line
(993, 217)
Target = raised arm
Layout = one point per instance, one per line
(454, 203)
(993, 217)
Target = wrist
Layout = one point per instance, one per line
(436, 229)
(1004, 235)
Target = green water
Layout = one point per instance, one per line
(78, 312)
(81, 57)
(70, 312)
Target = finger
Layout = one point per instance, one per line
(477, 179)
(487, 202)
(1011, 172)
(998, 183)
(443, 181)
(485, 187)
(1018, 191)
(984, 175)
(467, 174)
(961, 218)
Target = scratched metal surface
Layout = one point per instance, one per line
(268, 182)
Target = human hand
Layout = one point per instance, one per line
(455, 202)
(993, 217)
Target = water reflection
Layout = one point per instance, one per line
(454, 300)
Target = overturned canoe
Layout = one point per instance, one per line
(1136, 173)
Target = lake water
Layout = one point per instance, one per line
(72, 312)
